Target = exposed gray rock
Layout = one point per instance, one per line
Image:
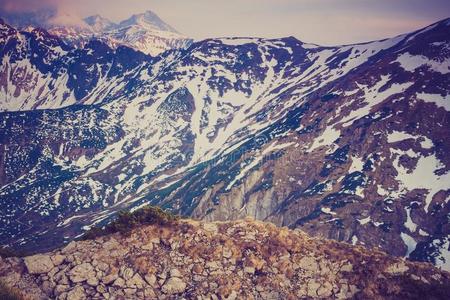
(77, 293)
(175, 273)
(92, 281)
(82, 273)
(38, 264)
(151, 279)
(58, 259)
(61, 288)
(109, 278)
(136, 281)
(119, 282)
(126, 273)
(174, 285)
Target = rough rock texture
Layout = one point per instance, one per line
(38, 264)
(230, 260)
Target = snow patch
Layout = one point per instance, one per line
(439, 100)
(364, 221)
(357, 164)
(398, 136)
(423, 176)
(409, 223)
(411, 62)
(327, 138)
(373, 96)
(409, 242)
(327, 210)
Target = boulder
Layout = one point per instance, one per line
(347, 268)
(82, 273)
(77, 293)
(151, 279)
(92, 281)
(136, 281)
(109, 278)
(126, 273)
(308, 263)
(38, 264)
(174, 285)
(61, 288)
(119, 282)
(175, 273)
(149, 293)
(58, 259)
(227, 253)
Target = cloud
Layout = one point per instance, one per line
(20, 6)
(62, 18)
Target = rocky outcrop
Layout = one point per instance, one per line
(221, 260)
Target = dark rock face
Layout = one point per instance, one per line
(349, 143)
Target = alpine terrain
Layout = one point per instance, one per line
(221, 260)
(348, 143)
(144, 32)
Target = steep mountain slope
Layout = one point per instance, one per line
(144, 32)
(38, 70)
(232, 260)
(348, 142)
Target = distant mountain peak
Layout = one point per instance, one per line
(144, 32)
(99, 23)
(148, 19)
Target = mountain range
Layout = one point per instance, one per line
(144, 32)
(347, 142)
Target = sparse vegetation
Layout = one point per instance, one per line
(7, 293)
(127, 221)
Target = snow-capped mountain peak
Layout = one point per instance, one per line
(144, 32)
(148, 20)
(99, 23)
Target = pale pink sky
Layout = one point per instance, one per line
(327, 22)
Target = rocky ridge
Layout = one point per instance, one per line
(222, 260)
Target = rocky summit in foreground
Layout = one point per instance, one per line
(226, 260)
